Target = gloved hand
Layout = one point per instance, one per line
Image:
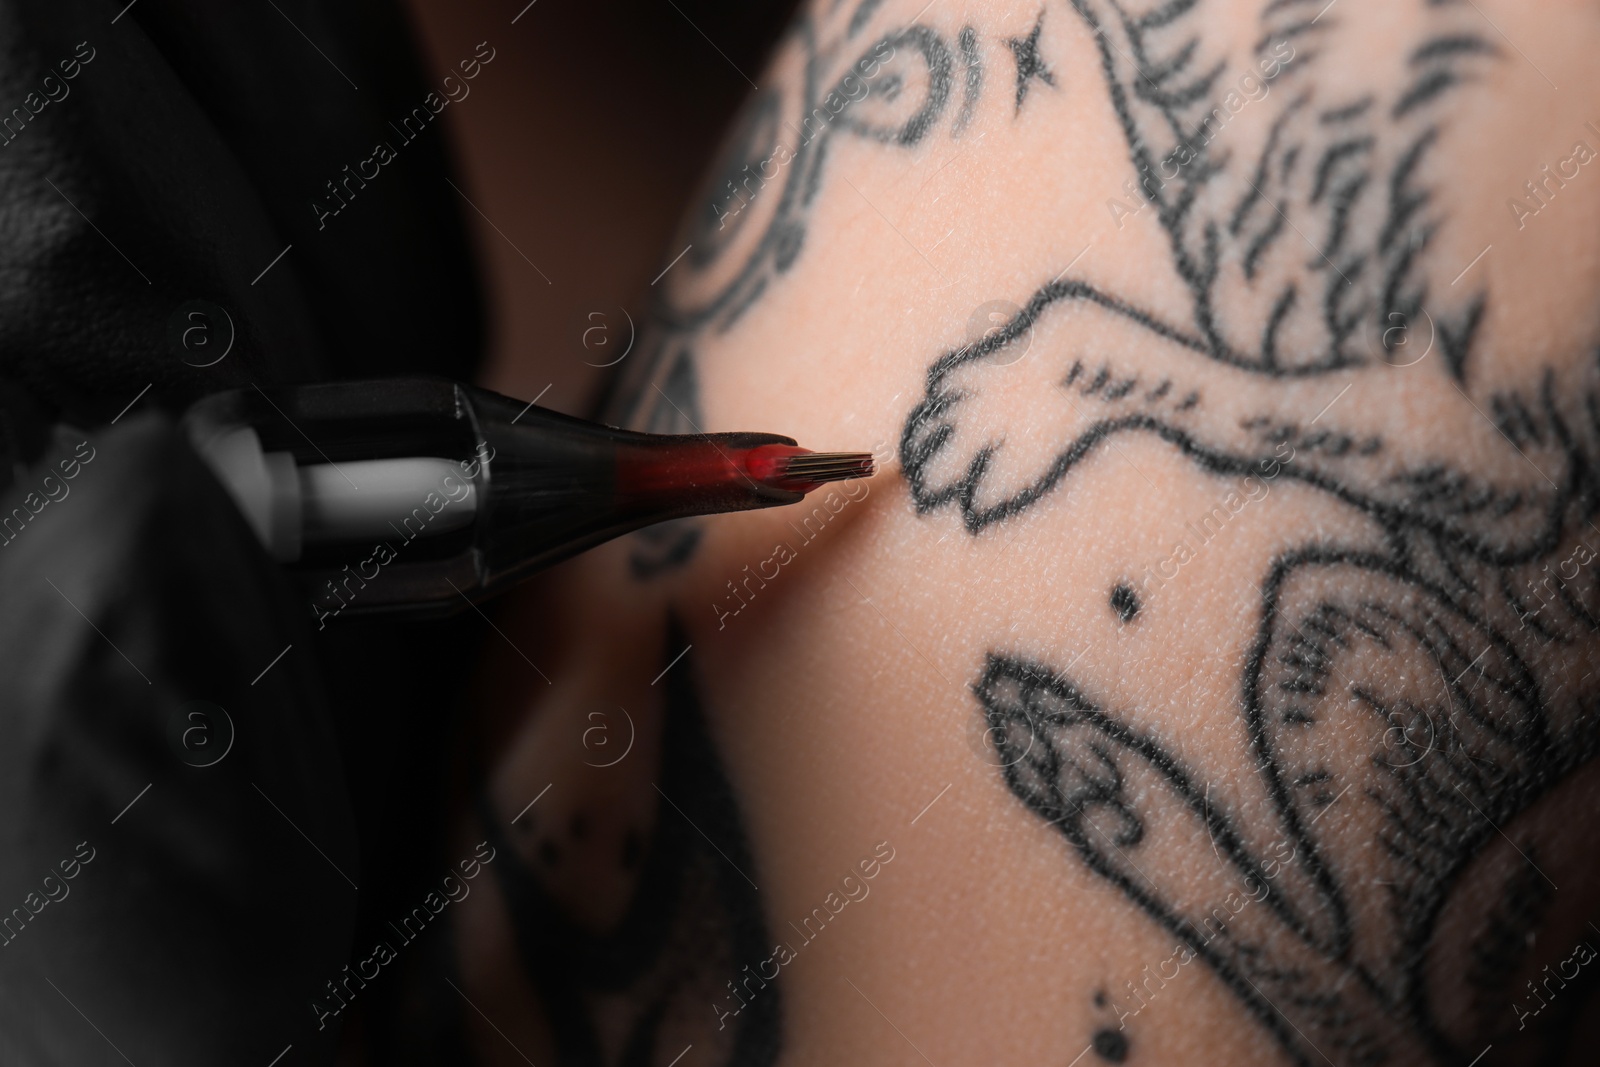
(179, 855)
(185, 764)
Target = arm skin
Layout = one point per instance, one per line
(1229, 590)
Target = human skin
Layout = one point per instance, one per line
(1205, 566)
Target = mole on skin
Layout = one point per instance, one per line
(1124, 602)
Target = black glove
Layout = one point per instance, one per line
(178, 848)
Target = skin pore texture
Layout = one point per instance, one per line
(1208, 675)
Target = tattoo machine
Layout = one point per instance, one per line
(455, 493)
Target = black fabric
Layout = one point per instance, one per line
(174, 166)
(195, 142)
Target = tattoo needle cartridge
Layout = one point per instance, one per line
(429, 494)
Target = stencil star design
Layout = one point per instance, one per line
(1030, 64)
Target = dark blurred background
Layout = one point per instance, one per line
(580, 147)
(581, 144)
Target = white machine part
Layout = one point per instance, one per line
(290, 506)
